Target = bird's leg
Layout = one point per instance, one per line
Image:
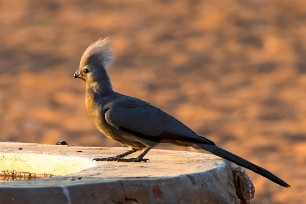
(137, 159)
(115, 158)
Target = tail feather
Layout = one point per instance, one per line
(242, 162)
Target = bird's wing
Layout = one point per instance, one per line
(148, 122)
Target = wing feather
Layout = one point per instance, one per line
(144, 120)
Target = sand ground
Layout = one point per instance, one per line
(234, 71)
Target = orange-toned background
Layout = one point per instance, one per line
(233, 71)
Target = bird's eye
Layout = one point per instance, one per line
(85, 70)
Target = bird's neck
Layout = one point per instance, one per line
(99, 85)
(97, 94)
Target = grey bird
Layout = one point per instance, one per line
(136, 123)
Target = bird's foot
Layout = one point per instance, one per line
(121, 159)
(132, 160)
(106, 159)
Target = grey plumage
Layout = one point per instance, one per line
(136, 123)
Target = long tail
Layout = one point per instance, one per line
(242, 162)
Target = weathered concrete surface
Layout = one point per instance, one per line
(43, 163)
(169, 177)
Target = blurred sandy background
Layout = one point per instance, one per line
(233, 71)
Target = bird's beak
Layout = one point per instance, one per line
(76, 74)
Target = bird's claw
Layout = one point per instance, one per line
(132, 160)
(106, 159)
(121, 159)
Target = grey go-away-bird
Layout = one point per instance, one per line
(136, 123)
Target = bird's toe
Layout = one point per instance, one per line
(106, 159)
(132, 160)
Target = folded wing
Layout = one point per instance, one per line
(146, 121)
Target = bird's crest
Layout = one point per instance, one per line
(100, 49)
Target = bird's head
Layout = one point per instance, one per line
(99, 55)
